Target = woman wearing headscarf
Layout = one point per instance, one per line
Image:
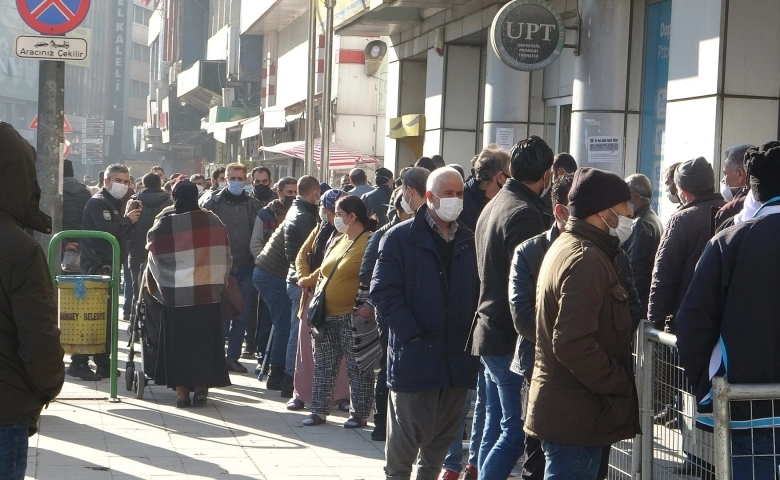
(339, 280)
(307, 266)
(189, 261)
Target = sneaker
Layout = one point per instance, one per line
(313, 420)
(470, 472)
(236, 367)
(449, 475)
(295, 405)
(83, 372)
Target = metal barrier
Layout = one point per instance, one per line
(671, 446)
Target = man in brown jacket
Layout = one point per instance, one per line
(582, 396)
(31, 368)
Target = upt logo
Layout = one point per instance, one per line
(530, 30)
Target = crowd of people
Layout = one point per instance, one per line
(517, 290)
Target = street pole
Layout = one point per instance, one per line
(51, 109)
(308, 164)
(326, 92)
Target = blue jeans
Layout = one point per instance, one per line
(274, 293)
(294, 293)
(756, 458)
(243, 276)
(13, 451)
(571, 462)
(503, 440)
(478, 422)
(454, 459)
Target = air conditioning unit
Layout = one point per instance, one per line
(174, 72)
(165, 68)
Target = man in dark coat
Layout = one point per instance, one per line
(301, 219)
(491, 171)
(238, 211)
(154, 200)
(727, 323)
(733, 186)
(582, 397)
(31, 369)
(425, 290)
(377, 200)
(642, 245)
(75, 196)
(513, 216)
(261, 186)
(104, 213)
(563, 163)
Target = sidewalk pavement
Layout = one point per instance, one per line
(245, 432)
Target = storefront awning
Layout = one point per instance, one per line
(340, 156)
(250, 127)
(220, 129)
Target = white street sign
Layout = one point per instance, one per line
(51, 48)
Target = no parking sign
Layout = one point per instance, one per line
(53, 17)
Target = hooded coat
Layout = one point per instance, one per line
(75, 196)
(31, 368)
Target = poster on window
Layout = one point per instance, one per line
(605, 149)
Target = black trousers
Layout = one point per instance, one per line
(381, 392)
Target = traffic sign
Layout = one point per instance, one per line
(66, 128)
(53, 17)
(51, 48)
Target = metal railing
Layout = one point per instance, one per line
(671, 446)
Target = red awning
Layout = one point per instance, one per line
(340, 156)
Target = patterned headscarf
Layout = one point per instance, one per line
(329, 198)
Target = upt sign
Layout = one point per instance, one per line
(530, 29)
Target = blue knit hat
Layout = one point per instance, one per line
(329, 198)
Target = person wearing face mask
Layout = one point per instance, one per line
(733, 186)
(583, 334)
(238, 211)
(513, 216)
(200, 183)
(425, 291)
(671, 189)
(563, 163)
(103, 212)
(261, 185)
(339, 279)
(218, 183)
(154, 200)
(491, 171)
(376, 200)
(31, 368)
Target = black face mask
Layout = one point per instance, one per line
(262, 191)
(288, 201)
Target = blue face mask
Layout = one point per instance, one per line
(235, 187)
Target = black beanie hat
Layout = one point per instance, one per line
(695, 176)
(594, 190)
(763, 165)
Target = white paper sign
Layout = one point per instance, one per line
(605, 149)
(505, 137)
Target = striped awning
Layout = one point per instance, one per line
(340, 156)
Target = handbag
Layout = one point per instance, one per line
(317, 311)
(365, 342)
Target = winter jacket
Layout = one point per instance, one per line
(582, 391)
(641, 248)
(474, 202)
(360, 190)
(75, 196)
(103, 213)
(271, 259)
(298, 224)
(372, 252)
(686, 234)
(377, 201)
(728, 324)
(154, 201)
(268, 219)
(526, 263)
(513, 216)
(238, 213)
(415, 300)
(725, 216)
(31, 368)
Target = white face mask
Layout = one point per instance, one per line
(338, 222)
(200, 189)
(623, 229)
(222, 185)
(547, 187)
(449, 208)
(323, 216)
(118, 190)
(674, 198)
(725, 190)
(405, 205)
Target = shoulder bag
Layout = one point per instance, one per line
(317, 309)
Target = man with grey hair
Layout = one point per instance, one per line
(429, 372)
(646, 232)
(733, 187)
(414, 182)
(491, 171)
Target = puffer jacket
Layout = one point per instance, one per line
(414, 298)
(75, 196)
(271, 259)
(154, 201)
(31, 368)
(683, 240)
(298, 224)
(582, 390)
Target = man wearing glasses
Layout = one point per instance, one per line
(103, 213)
